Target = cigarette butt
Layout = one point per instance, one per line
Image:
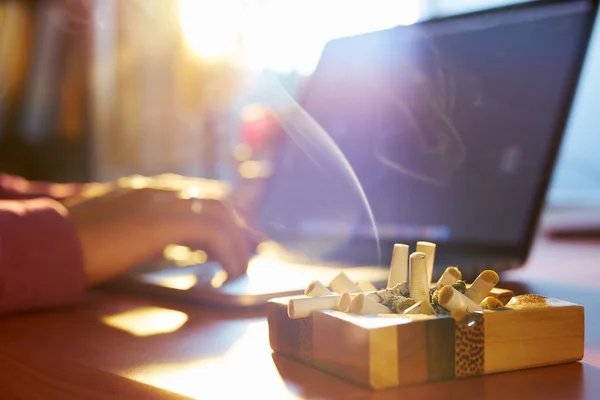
(344, 302)
(449, 277)
(380, 296)
(399, 265)
(316, 288)
(491, 303)
(362, 304)
(418, 282)
(400, 289)
(366, 287)
(422, 307)
(481, 287)
(341, 283)
(399, 304)
(304, 306)
(452, 300)
(429, 249)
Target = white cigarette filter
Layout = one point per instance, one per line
(344, 302)
(362, 304)
(304, 306)
(399, 265)
(381, 296)
(418, 282)
(341, 283)
(428, 249)
(450, 276)
(481, 287)
(453, 300)
(316, 288)
(366, 287)
(422, 307)
(491, 303)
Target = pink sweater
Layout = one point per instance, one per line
(41, 263)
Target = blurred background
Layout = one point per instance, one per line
(95, 90)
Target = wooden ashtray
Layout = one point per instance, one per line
(396, 349)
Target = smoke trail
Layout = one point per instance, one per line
(316, 143)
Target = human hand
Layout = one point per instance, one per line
(122, 225)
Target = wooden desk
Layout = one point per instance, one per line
(75, 353)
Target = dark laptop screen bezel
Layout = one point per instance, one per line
(519, 251)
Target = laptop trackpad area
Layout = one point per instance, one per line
(264, 279)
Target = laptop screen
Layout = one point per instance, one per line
(451, 127)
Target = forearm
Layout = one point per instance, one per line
(41, 264)
(17, 188)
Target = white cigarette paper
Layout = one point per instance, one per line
(399, 265)
(429, 249)
(316, 288)
(341, 283)
(450, 276)
(419, 284)
(422, 307)
(453, 300)
(362, 304)
(304, 306)
(344, 302)
(366, 287)
(481, 287)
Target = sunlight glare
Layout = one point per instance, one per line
(289, 35)
(251, 350)
(147, 321)
(178, 282)
(211, 28)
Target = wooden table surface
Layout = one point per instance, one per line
(123, 347)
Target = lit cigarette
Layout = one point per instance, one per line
(344, 302)
(362, 304)
(366, 287)
(481, 287)
(304, 306)
(418, 282)
(422, 307)
(429, 249)
(316, 288)
(453, 300)
(399, 265)
(449, 277)
(341, 283)
(491, 303)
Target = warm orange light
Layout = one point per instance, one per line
(249, 350)
(255, 169)
(218, 279)
(147, 321)
(178, 282)
(183, 256)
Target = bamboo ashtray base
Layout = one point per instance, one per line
(395, 350)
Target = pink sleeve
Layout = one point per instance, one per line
(41, 263)
(14, 187)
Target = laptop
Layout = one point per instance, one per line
(444, 131)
